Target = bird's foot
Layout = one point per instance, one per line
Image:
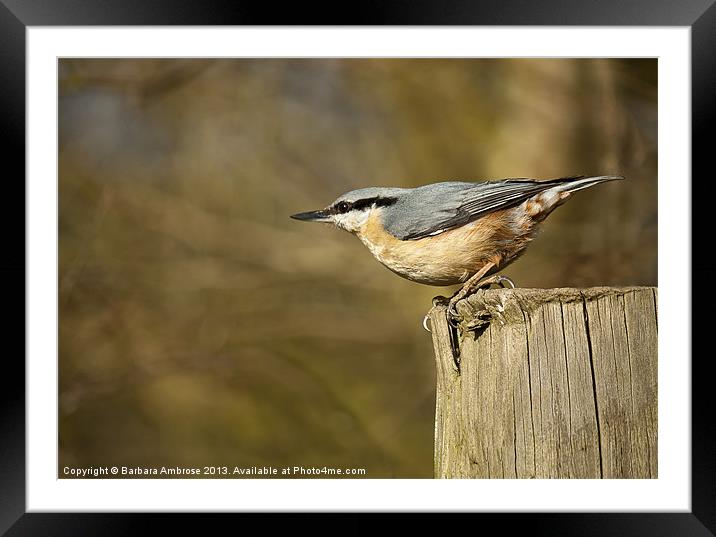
(467, 290)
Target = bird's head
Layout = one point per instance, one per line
(352, 210)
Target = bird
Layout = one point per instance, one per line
(451, 232)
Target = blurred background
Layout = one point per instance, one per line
(199, 325)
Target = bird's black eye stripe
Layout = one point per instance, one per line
(378, 202)
(385, 202)
(343, 207)
(364, 203)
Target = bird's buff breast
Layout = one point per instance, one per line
(450, 257)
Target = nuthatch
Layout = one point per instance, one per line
(453, 232)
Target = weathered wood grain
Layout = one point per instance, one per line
(552, 383)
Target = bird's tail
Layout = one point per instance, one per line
(556, 195)
(580, 183)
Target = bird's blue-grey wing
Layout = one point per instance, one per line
(435, 208)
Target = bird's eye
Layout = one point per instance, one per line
(343, 207)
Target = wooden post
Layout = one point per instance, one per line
(552, 383)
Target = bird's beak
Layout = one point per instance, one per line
(313, 216)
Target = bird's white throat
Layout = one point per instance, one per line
(352, 221)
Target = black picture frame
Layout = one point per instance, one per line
(17, 15)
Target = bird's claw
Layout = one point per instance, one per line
(437, 301)
(497, 279)
(452, 315)
(425, 322)
(453, 331)
(500, 279)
